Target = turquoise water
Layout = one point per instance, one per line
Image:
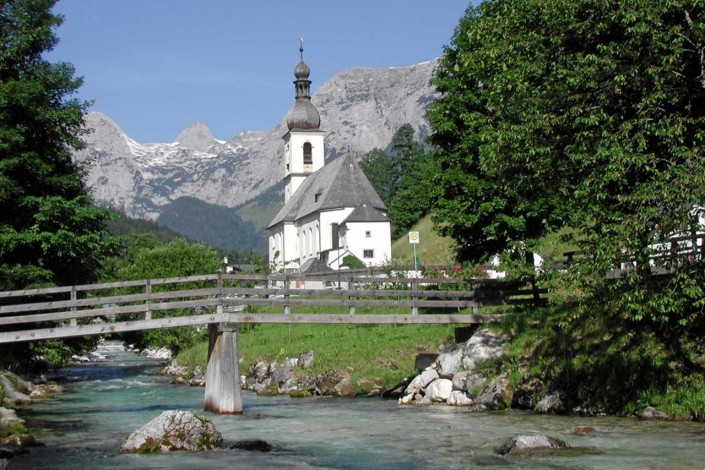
(84, 428)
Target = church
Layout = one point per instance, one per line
(331, 211)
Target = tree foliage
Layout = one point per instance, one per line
(588, 114)
(402, 178)
(174, 259)
(49, 231)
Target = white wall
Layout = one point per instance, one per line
(379, 241)
(327, 219)
(294, 168)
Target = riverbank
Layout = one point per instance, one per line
(488, 371)
(106, 401)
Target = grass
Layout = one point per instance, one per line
(432, 248)
(382, 352)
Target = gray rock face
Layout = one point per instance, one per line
(529, 444)
(449, 362)
(483, 345)
(197, 136)
(360, 109)
(552, 402)
(174, 430)
(494, 394)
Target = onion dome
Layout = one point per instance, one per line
(301, 70)
(303, 114)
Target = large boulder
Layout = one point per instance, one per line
(439, 390)
(459, 398)
(495, 395)
(174, 430)
(483, 345)
(474, 384)
(450, 362)
(283, 375)
(460, 380)
(529, 444)
(259, 371)
(421, 381)
(16, 389)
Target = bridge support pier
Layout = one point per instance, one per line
(223, 394)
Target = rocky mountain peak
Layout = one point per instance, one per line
(360, 109)
(196, 136)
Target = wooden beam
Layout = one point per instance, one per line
(109, 328)
(106, 311)
(362, 319)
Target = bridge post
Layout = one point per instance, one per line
(223, 394)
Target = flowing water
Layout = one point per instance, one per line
(84, 428)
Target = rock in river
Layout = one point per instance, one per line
(174, 430)
(529, 444)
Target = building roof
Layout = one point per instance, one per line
(315, 265)
(341, 183)
(365, 213)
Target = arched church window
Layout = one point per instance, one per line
(308, 156)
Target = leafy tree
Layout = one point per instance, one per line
(590, 115)
(381, 172)
(49, 231)
(175, 259)
(402, 178)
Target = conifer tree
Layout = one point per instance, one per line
(50, 234)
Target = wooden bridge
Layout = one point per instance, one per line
(223, 301)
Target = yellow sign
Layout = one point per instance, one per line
(413, 237)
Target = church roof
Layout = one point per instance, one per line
(365, 213)
(340, 183)
(315, 265)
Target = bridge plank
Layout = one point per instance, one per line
(90, 302)
(193, 320)
(107, 311)
(109, 328)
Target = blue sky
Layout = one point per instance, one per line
(156, 66)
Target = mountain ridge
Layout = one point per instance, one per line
(360, 109)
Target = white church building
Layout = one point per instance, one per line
(330, 211)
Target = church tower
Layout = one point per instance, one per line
(303, 143)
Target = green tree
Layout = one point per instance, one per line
(586, 114)
(402, 178)
(49, 231)
(380, 171)
(175, 259)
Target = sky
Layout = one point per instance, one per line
(156, 66)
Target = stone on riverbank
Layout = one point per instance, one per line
(529, 444)
(16, 389)
(651, 414)
(174, 430)
(439, 390)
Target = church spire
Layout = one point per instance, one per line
(303, 115)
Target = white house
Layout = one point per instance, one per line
(330, 211)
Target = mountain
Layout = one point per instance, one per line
(360, 109)
(218, 226)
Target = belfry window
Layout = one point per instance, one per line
(308, 156)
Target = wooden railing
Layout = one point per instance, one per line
(196, 300)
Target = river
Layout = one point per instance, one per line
(84, 428)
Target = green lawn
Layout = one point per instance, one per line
(383, 352)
